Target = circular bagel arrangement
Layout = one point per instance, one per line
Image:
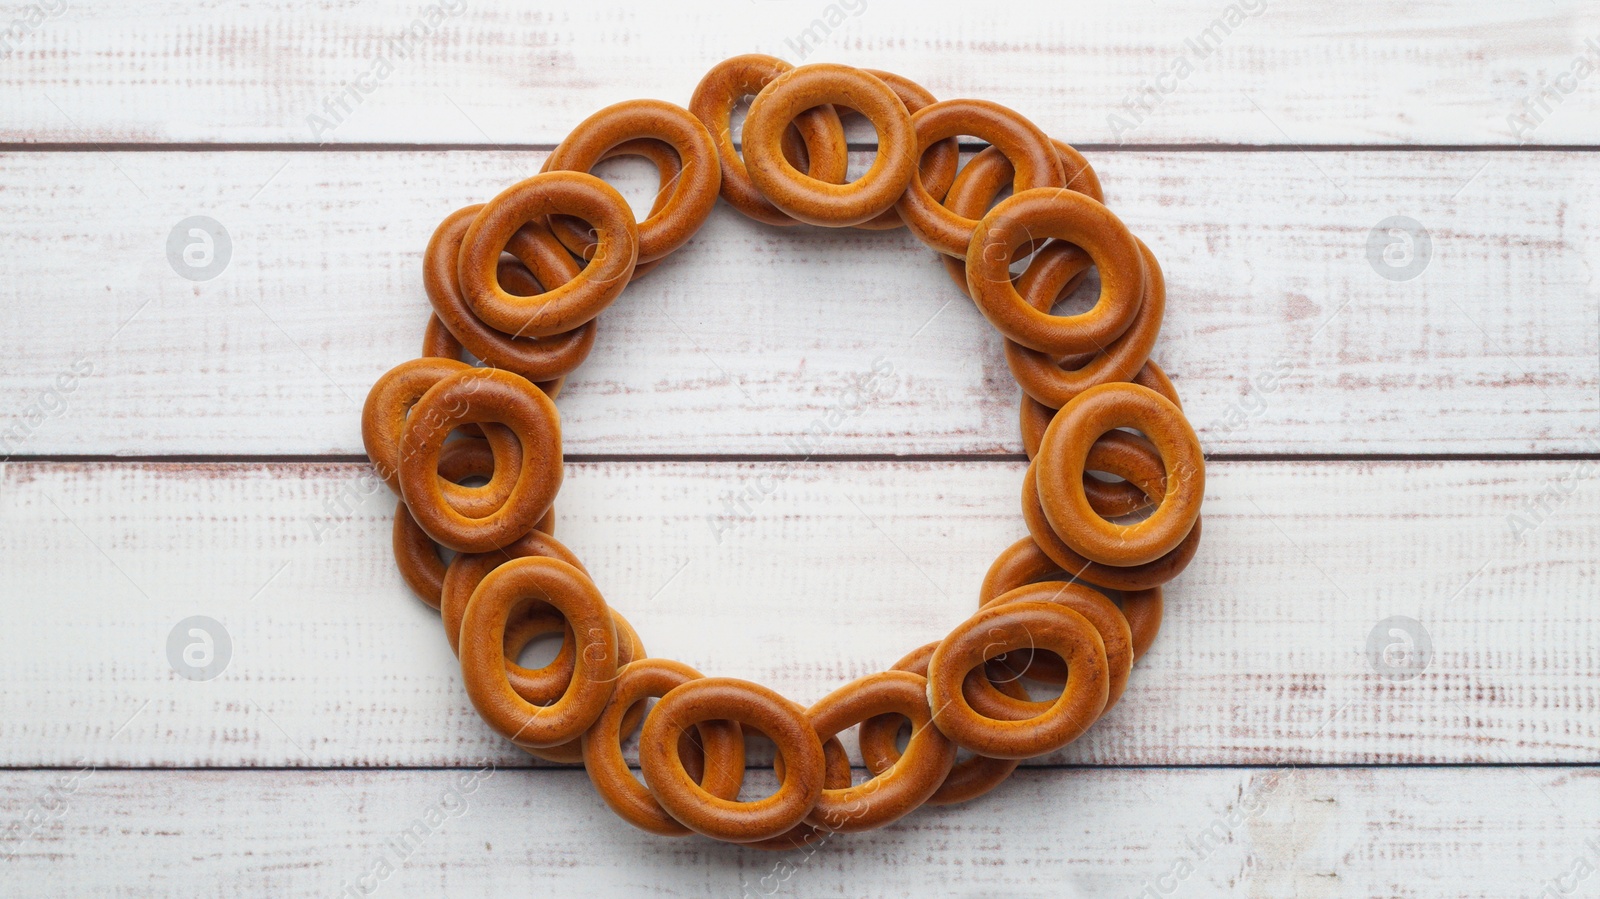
(1111, 499)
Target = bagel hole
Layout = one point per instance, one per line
(971, 146)
(1137, 515)
(452, 443)
(540, 651)
(902, 736)
(1020, 264)
(859, 163)
(476, 480)
(1039, 691)
(630, 742)
(515, 278)
(858, 131)
(799, 160)
(759, 751)
(1081, 298)
(760, 776)
(635, 177)
(736, 117)
(1012, 663)
(967, 155)
(759, 783)
(1006, 191)
(1106, 477)
(1015, 662)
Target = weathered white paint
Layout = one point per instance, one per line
(1256, 832)
(1280, 334)
(1275, 72)
(741, 344)
(835, 574)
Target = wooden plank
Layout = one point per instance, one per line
(1221, 832)
(1281, 333)
(495, 71)
(833, 573)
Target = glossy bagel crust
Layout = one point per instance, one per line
(1024, 563)
(1115, 634)
(820, 130)
(896, 791)
(1007, 627)
(470, 439)
(938, 163)
(565, 306)
(414, 551)
(680, 209)
(438, 341)
(1131, 458)
(1064, 452)
(987, 175)
(721, 742)
(543, 262)
(815, 201)
(389, 411)
(481, 396)
(1035, 416)
(504, 591)
(1118, 577)
(1029, 150)
(1075, 219)
(538, 620)
(467, 570)
(1044, 377)
(578, 237)
(969, 778)
(727, 699)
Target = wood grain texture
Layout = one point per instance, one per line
(1259, 172)
(497, 71)
(833, 573)
(1280, 333)
(1082, 833)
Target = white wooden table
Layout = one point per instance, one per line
(1414, 434)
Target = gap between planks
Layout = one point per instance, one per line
(816, 459)
(1046, 766)
(1087, 147)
